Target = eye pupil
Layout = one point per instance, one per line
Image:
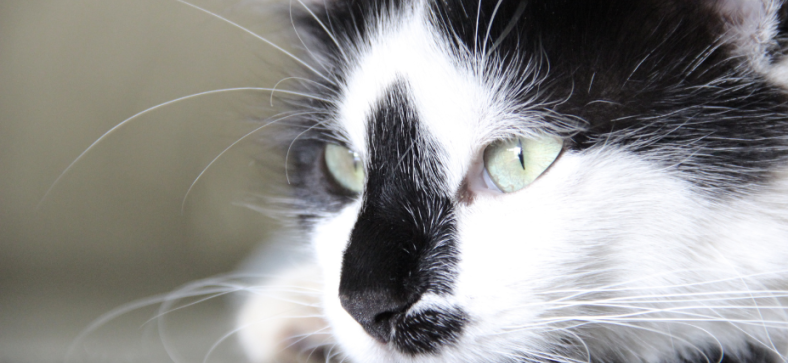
(520, 152)
(515, 163)
(344, 167)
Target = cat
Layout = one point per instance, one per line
(533, 181)
(538, 181)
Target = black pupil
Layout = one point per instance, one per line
(520, 153)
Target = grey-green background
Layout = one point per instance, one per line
(112, 229)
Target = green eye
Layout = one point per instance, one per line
(345, 167)
(513, 164)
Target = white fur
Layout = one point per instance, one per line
(752, 29)
(605, 246)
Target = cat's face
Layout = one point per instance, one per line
(522, 181)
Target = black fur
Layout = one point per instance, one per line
(427, 331)
(649, 76)
(652, 77)
(752, 354)
(402, 245)
(349, 21)
(306, 173)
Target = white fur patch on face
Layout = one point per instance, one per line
(330, 238)
(603, 247)
(449, 99)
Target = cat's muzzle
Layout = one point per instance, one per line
(412, 331)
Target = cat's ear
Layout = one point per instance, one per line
(757, 30)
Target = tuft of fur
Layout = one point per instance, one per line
(660, 234)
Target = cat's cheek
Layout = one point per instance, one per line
(329, 238)
(516, 248)
(511, 245)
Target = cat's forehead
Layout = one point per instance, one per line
(451, 104)
(641, 76)
(455, 104)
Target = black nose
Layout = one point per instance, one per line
(375, 311)
(402, 244)
(380, 279)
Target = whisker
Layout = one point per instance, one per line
(166, 308)
(633, 317)
(658, 332)
(109, 316)
(150, 109)
(250, 133)
(272, 44)
(489, 27)
(328, 32)
(274, 291)
(301, 40)
(193, 303)
(760, 314)
(674, 308)
(585, 346)
(213, 287)
(300, 290)
(607, 288)
(336, 353)
(287, 154)
(302, 337)
(551, 357)
(132, 306)
(476, 30)
(302, 79)
(229, 334)
(313, 348)
(668, 298)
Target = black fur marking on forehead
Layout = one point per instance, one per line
(652, 76)
(403, 243)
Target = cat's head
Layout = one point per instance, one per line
(546, 180)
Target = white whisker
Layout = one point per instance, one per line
(330, 34)
(148, 110)
(302, 79)
(109, 316)
(236, 142)
(489, 28)
(272, 44)
(287, 154)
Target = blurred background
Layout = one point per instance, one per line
(112, 229)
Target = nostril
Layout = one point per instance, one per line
(382, 326)
(376, 312)
(384, 317)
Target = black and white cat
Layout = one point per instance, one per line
(536, 181)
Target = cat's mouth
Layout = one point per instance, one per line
(428, 330)
(420, 332)
(420, 327)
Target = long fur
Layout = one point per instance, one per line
(658, 235)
